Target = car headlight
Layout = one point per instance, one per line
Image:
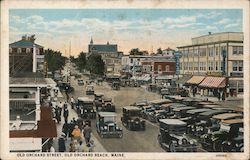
(180, 142)
(201, 128)
(117, 128)
(229, 143)
(85, 110)
(105, 127)
(237, 145)
(91, 110)
(191, 142)
(132, 120)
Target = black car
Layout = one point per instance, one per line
(173, 137)
(98, 100)
(107, 105)
(106, 125)
(131, 119)
(85, 108)
(65, 86)
(226, 138)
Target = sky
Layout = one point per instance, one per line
(146, 29)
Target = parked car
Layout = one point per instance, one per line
(156, 115)
(80, 82)
(181, 112)
(222, 139)
(146, 110)
(131, 119)
(173, 137)
(90, 90)
(85, 108)
(65, 86)
(106, 125)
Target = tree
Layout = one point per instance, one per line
(95, 64)
(54, 59)
(80, 61)
(159, 51)
(135, 51)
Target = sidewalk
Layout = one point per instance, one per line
(98, 146)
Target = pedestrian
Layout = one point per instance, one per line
(60, 105)
(71, 128)
(71, 147)
(72, 102)
(65, 129)
(61, 143)
(76, 134)
(66, 114)
(87, 133)
(76, 145)
(57, 113)
(67, 96)
(218, 96)
(223, 96)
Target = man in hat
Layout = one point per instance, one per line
(61, 143)
(87, 133)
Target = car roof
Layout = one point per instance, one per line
(131, 108)
(90, 85)
(183, 108)
(85, 99)
(232, 121)
(107, 98)
(99, 94)
(193, 111)
(211, 106)
(172, 122)
(212, 112)
(107, 114)
(227, 116)
(160, 101)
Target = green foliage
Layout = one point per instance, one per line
(135, 51)
(54, 59)
(95, 64)
(159, 51)
(80, 61)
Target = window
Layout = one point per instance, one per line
(203, 52)
(159, 68)
(223, 48)
(240, 50)
(237, 50)
(167, 68)
(196, 52)
(221, 65)
(190, 66)
(27, 50)
(10, 50)
(217, 51)
(203, 66)
(237, 66)
(196, 66)
(19, 50)
(180, 66)
(211, 52)
(216, 65)
(210, 66)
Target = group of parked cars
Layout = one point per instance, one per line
(185, 123)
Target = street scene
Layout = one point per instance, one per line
(116, 91)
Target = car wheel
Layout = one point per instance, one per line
(171, 147)
(216, 146)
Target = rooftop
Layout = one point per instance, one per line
(173, 121)
(24, 44)
(107, 114)
(31, 82)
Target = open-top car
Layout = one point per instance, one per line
(90, 90)
(85, 108)
(173, 138)
(229, 133)
(106, 125)
(131, 118)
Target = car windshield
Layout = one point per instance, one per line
(133, 113)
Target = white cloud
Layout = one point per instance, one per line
(223, 21)
(231, 25)
(180, 20)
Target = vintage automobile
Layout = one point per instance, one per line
(116, 85)
(203, 121)
(156, 115)
(90, 90)
(226, 138)
(180, 112)
(160, 101)
(85, 108)
(174, 91)
(107, 105)
(191, 101)
(80, 82)
(106, 125)
(65, 86)
(131, 119)
(98, 100)
(173, 137)
(146, 110)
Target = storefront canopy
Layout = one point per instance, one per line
(195, 80)
(183, 80)
(213, 82)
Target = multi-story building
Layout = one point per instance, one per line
(218, 55)
(25, 56)
(31, 122)
(109, 52)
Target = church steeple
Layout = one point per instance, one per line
(91, 41)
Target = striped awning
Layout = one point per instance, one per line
(213, 82)
(195, 80)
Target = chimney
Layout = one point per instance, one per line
(209, 33)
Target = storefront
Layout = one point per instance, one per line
(193, 83)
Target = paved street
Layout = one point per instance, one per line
(132, 141)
